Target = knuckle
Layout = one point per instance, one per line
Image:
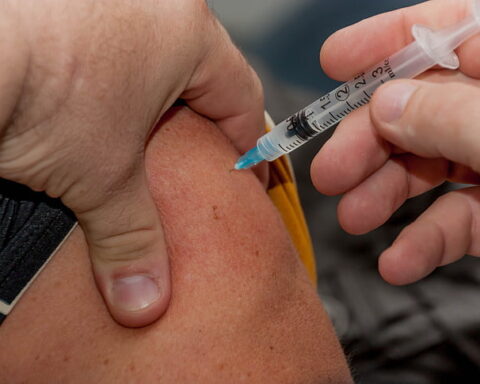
(119, 233)
(438, 105)
(33, 144)
(120, 247)
(28, 160)
(98, 179)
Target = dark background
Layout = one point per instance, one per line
(427, 332)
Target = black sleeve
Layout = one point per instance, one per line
(32, 226)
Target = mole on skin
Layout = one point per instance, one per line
(215, 213)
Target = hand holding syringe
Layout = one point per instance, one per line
(429, 49)
(413, 136)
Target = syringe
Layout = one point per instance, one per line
(429, 49)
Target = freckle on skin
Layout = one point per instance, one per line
(215, 213)
(131, 367)
(106, 361)
(66, 358)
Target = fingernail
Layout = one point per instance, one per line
(392, 101)
(134, 293)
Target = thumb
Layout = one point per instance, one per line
(128, 253)
(430, 120)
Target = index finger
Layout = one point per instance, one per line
(360, 46)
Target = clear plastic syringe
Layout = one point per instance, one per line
(430, 48)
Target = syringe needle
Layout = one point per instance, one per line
(429, 49)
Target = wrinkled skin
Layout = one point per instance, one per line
(83, 84)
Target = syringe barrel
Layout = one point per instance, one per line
(329, 110)
(411, 61)
(270, 145)
(429, 48)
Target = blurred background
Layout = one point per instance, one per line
(427, 332)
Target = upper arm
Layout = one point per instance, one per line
(242, 308)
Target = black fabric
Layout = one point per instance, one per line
(32, 225)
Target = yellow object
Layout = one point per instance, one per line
(283, 192)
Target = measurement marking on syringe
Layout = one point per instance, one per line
(292, 146)
(362, 102)
(428, 48)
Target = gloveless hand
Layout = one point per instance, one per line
(412, 137)
(82, 86)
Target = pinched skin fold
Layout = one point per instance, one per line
(242, 307)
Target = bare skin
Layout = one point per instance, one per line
(414, 136)
(82, 85)
(242, 308)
